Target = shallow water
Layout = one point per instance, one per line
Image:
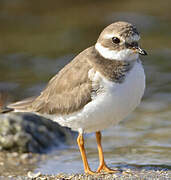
(38, 40)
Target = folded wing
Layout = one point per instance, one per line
(65, 93)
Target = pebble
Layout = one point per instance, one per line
(33, 175)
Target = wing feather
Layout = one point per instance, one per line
(67, 92)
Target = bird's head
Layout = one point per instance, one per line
(119, 41)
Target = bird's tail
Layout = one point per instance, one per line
(3, 100)
(22, 106)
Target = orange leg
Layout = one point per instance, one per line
(80, 141)
(102, 165)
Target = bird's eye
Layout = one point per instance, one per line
(115, 40)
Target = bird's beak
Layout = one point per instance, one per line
(140, 51)
(134, 46)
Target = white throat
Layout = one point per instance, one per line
(122, 55)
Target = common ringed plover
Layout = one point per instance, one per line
(96, 90)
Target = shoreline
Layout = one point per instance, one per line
(15, 166)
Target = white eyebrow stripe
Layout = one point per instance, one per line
(135, 37)
(109, 36)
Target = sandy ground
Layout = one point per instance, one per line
(126, 175)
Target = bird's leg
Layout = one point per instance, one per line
(80, 141)
(102, 165)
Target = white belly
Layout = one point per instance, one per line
(111, 106)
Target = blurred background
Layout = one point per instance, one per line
(37, 38)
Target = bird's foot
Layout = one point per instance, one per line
(103, 167)
(88, 171)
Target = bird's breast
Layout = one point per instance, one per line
(114, 101)
(111, 102)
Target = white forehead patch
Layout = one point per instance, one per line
(133, 38)
(120, 55)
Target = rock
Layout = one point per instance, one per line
(26, 132)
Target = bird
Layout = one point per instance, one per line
(96, 90)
